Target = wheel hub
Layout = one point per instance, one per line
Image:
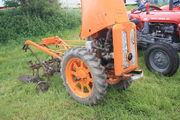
(81, 74)
(79, 78)
(159, 60)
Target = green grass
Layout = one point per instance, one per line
(153, 98)
(130, 7)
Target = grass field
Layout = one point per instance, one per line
(153, 98)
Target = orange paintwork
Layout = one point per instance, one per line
(44, 49)
(100, 14)
(113, 79)
(57, 41)
(118, 48)
(78, 78)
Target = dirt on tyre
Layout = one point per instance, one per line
(83, 75)
(162, 58)
(123, 85)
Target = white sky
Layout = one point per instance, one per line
(1, 3)
(69, 1)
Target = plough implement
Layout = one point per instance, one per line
(50, 67)
(108, 57)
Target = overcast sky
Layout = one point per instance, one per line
(1, 3)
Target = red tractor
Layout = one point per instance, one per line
(158, 31)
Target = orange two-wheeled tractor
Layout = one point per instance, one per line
(108, 57)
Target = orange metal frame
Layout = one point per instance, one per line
(62, 46)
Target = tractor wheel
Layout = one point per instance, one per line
(123, 85)
(84, 77)
(162, 58)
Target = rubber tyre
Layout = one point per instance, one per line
(123, 85)
(96, 69)
(172, 55)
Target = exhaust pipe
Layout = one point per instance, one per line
(170, 4)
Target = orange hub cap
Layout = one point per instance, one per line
(79, 78)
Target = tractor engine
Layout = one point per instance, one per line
(164, 32)
(103, 47)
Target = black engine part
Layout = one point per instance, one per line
(159, 32)
(103, 47)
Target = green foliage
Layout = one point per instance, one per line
(39, 7)
(15, 25)
(11, 3)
